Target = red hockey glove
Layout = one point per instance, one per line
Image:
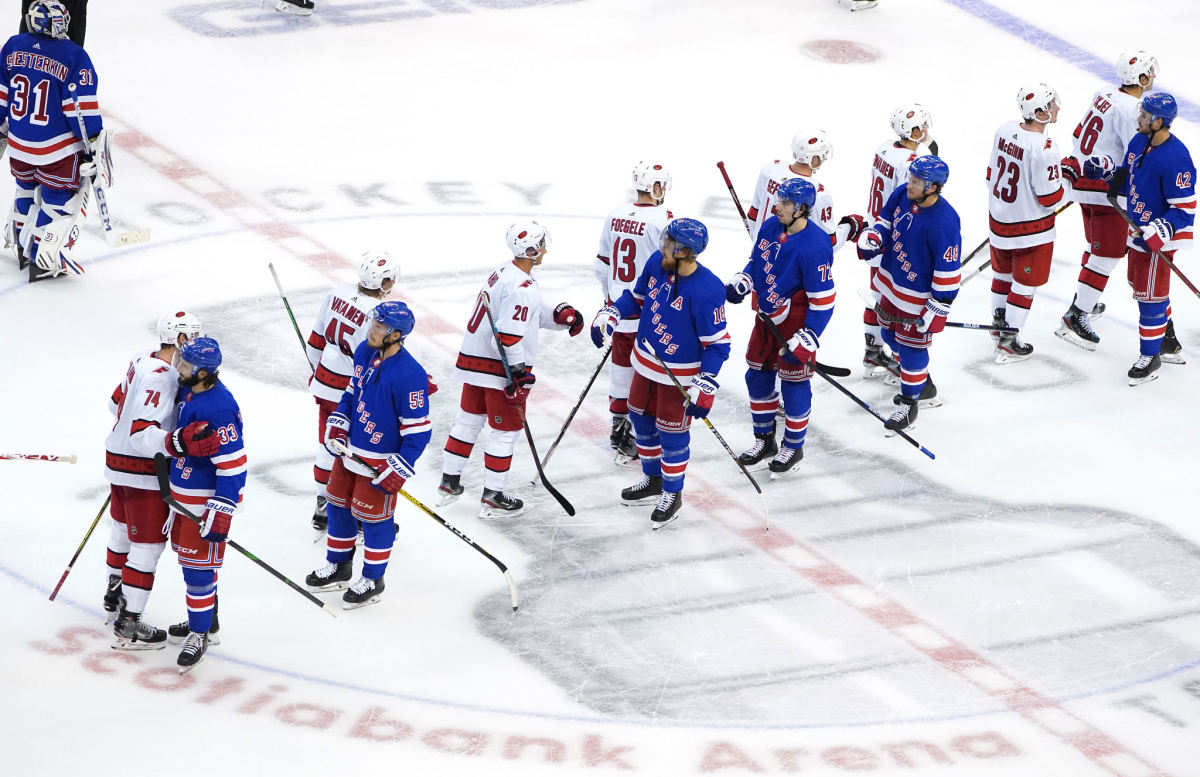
(933, 317)
(700, 395)
(393, 476)
(857, 225)
(1070, 169)
(337, 427)
(803, 346)
(565, 315)
(1157, 233)
(432, 386)
(522, 382)
(195, 439)
(218, 514)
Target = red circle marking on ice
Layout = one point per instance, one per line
(840, 52)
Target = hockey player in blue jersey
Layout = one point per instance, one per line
(383, 418)
(46, 151)
(919, 236)
(790, 273)
(682, 308)
(1158, 179)
(210, 487)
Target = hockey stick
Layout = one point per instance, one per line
(79, 550)
(487, 304)
(988, 262)
(1112, 199)
(162, 470)
(512, 586)
(282, 296)
(711, 428)
(114, 240)
(870, 300)
(575, 409)
(69, 459)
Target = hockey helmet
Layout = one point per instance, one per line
(526, 235)
(48, 17)
(689, 233)
(930, 168)
(646, 174)
(1160, 105)
(797, 190)
(1135, 64)
(375, 267)
(906, 118)
(395, 316)
(811, 144)
(1036, 97)
(171, 325)
(203, 353)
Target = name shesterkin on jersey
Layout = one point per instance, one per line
(38, 62)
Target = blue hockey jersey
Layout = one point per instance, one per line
(34, 73)
(781, 265)
(388, 408)
(682, 317)
(222, 476)
(921, 248)
(1161, 184)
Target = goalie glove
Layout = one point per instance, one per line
(101, 148)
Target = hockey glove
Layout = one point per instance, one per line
(700, 395)
(432, 386)
(1099, 168)
(391, 478)
(218, 513)
(1070, 169)
(572, 319)
(1157, 233)
(337, 428)
(802, 347)
(604, 324)
(870, 244)
(933, 317)
(195, 439)
(857, 226)
(738, 287)
(522, 382)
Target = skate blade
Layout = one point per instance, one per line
(364, 603)
(621, 460)
(445, 499)
(759, 467)
(320, 535)
(1140, 381)
(186, 669)
(283, 7)
(1073, 339)
(1172, 358)
(1004, 357)
(925, 404)
(655, 526)
(784, 474)
(891, 380)
(109, 617)
(320, 589)
(893, 432)
(213, 640)
(129, 646)
(639, 502)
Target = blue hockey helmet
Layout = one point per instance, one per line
(203, 353)
(930, 168)
(797, 190)
(395, 316)
(689, 233)
(1160, 105)
(48, 17)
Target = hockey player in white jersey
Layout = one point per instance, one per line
(631, 233)
(342, 323)
(811, 149)
(487, 397)
(144, 406)
(1024, 189)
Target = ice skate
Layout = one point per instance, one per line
(928, 398)
(497, 504)
(1011, 349)
(667, 509)
(331, 577)
(1144, 370)
(863, 5)
(320, 519)
(1097, 311)
(647, 490)
(114, 601)
(178, 632)
(365, 591)
(194, 647)
(131, 634)
(785, 461)
(299, 7)
(878, 363)
(449, 490)
(1076, 329)
(1171, 351)
(904, 419)
(759, 455)
(623, 442)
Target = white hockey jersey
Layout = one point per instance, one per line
(519, 313)
(762, 207)
(1110, 123)
(342, 323)
(889, 170)
(144, 404)
(1025, 186)
(631, 233)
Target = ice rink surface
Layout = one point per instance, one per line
(1027, 603)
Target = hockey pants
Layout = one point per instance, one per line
(764, 402)
(914, 365)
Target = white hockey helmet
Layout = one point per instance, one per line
(809, 144)
(175, 323)
(1036, 97)
(1135, 64)
(525, 235)
(908, 117)
(375, 267)
(646, 174)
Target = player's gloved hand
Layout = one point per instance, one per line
(857, 226)
(1099, 168)
(802, 347)
(1156, 233)
(870, 243)
(195, 439)
(337, 427)
(218, 514)
(432, 386)
(393, 474)
(87, 170)
(604, 324)
(565, 315)
(738, 287)
(522, 382)
(933, 317)
(1070, 169)
(700, 395)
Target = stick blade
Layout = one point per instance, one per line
(329, 609)
(130, 238)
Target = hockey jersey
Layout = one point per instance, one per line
(342, 324)
(631, 234)
(1110, 123)
(1161, 184)
(921, 250)
(781, 265)
(388, 406)
(144, 404)
(762, 207)
(1025, 188)
(196, 479)
(682, 317)
(34, 73)
(519, 313)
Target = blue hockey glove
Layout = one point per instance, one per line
(1099, 168)
(738, 287)
(337, 427)
(870, 244)
(604, 324)
(218, 514)
(700, 395)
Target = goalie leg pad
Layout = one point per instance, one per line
(57, 221)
